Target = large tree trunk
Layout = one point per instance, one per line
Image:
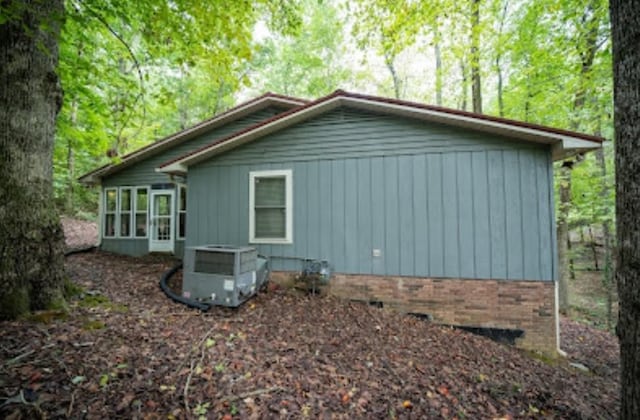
(31, 238)
(625, 30)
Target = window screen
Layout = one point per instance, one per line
(270, 207)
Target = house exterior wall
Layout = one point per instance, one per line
(381, 195)
(143, 174)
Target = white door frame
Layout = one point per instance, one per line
(155, 244)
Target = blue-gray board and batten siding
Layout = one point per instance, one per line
(437, 201)
(144, 173)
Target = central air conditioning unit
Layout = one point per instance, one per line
(223, 274)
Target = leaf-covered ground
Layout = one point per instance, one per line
(127, 351)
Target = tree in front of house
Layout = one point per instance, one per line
(625, 30)
(31, 239)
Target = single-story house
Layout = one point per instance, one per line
(426, 209)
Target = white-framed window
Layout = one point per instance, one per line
(181, 226)
(110, 212)
(125, 212)
(141, 212)
(271, 207)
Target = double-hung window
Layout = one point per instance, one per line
(142, 203)
(110, 211)
(125, 212)
(270, 207)
(182, 211)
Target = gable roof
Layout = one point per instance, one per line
(564, 142)
(233, 114)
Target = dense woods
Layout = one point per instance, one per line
(132, 72)
(130, 80)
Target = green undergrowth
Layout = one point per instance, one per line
(85, 299)
(71, 290)
(93, 324)
(546, 358)
(48, 316)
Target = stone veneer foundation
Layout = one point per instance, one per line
(505, 304)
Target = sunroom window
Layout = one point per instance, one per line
(110, 208)
(270, 204)
(142, 204)
(125, 212)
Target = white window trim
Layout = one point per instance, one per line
(116, 213)
(126, 213)
(178, 211)
(288, 181)
(135, 211)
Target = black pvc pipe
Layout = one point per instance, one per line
(177, 298)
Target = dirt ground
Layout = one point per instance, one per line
(124, 350)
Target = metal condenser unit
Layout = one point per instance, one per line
(224, 275)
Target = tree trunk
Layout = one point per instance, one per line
(500, 87)
(31, 238)
(593, 244)
(476, 85)
(464, 84)
(389, 61)
(71, 166)
(438, 56)
(503, 17)
(625, 30)
(572, 271)
(607, 268)
(563, 237)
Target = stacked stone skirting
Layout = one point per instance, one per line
(504, 304)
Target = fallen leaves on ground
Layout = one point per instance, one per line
(126, 351)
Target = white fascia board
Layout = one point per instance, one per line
(180, 166)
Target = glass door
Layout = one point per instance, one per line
(161, 222)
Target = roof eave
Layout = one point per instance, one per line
(563, 145)
(173, 169)
(260, 131)
(567, 147)
(90, 179)
(174, 139)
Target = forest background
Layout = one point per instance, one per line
(543, 61)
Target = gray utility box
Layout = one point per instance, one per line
(222, 274)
